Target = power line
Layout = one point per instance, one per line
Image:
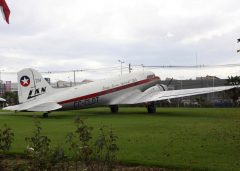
(130, 67)
(188, 66)
(75, 70)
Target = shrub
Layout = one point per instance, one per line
(38, 149)
(57, 158)
(97, 156)
(105, 149)
(6, 138)
(79, 142)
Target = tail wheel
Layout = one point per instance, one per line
(151, 107)
(114, 108)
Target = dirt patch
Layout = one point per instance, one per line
(21, 163)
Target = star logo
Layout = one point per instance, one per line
(25, 81)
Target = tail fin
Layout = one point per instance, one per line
(31, 85)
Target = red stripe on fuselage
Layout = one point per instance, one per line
(109, 90)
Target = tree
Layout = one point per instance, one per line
(234, 93)
(11, 97)
(6, 138)
(200, 100)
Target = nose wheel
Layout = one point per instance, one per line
(114, 108)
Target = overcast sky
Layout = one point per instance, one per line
(51, 35)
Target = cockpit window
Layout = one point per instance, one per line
(150, 76)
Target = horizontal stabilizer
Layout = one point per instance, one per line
(13, 108)
(44, 107)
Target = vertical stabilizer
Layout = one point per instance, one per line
(31, 85)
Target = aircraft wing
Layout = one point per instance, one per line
(42, 107)
(142, 97)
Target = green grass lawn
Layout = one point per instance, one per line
(196, 139)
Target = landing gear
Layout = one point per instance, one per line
(45, 115)
(114, 108)
(151, 107)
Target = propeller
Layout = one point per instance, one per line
(168, 84)
(170, 81)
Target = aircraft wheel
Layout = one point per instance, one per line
(151, 108)
(114, 108)
(45, 115)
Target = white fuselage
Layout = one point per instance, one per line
(103, 92)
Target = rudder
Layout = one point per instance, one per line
(31, 85)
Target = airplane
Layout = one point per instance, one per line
(2, 100)
(35, 94)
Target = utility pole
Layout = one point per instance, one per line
(70, 82)
(121, 65)
(1, 70)
(213, 85)
(196, 55)
(1, 87)
(74, 77)
(238, 40)
(129, 68)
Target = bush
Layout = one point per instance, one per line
(6, 138)
(57, 158)
(105, 150)
(38, 149)
(79, 142)
(97, 156)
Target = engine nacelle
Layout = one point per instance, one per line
(156, 88)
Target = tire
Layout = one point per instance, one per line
(114, 108)
(45, 115)
(151, 108)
